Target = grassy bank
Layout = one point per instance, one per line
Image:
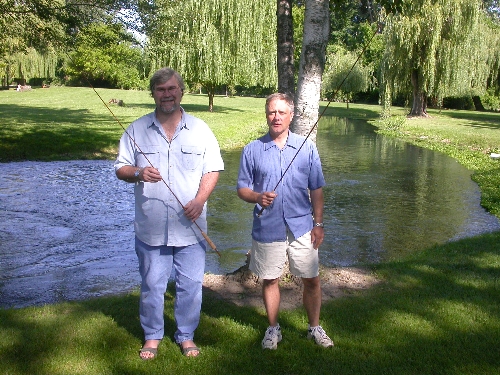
(436, 312)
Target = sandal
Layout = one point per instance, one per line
(186, 351)
(153, 351)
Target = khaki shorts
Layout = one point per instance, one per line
(267, 260)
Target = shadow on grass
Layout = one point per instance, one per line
(42, 136)
(436, 312)
(475, 119)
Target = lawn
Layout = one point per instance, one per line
(435, 312)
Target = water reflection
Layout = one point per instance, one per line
(385, 198)
(67, 228)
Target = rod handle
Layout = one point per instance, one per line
(209, 241)
(259, 214)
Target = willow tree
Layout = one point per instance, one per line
(311, 66)
(215, 42)
(434, 48)
(344, 76)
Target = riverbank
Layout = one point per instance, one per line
(435, 312)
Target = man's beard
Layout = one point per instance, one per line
(168, 111)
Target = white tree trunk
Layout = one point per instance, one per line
(312, 64)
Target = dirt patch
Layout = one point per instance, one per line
(243, 288)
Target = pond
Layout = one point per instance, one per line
(67, 228)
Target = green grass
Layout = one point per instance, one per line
(63, 123)
(435, 312)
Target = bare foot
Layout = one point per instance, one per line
(189, 348)
(149, 349)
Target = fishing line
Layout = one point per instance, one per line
(324, 110)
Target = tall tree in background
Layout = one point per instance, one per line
(436, 48)
(286, 47)
(311, 66)
(213, 43)
(44, 27)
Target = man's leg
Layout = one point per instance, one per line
(155, 265)
(271, 296)
(312, 299)
(189, 263)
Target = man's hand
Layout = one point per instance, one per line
(266, 198)
(193, 209)
(150, 174)
(317, 236)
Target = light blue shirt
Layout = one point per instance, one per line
(193, 151)
(262, 165)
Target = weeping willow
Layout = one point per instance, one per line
(437, 48)
(32, 64)
(217, 42)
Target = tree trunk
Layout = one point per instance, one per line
(285, 47)
(419, 107)
(311, 67)
(211, 93)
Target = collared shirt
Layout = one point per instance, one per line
(193, 151)
(262, 165)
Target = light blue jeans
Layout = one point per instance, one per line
(155, 266)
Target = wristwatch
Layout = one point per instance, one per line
(319, 225)
(137, 172)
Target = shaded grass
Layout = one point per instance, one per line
(436, 312)
(67, 123)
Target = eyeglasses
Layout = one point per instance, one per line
(171, 90)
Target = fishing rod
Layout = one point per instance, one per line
(205, 236)
(324, 110)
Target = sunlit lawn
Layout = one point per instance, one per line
(435, 312)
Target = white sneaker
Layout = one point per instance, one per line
(320, 337)
(272, 337)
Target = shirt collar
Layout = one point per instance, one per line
(154, 120)
(293, 141)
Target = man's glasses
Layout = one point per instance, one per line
(171, 90)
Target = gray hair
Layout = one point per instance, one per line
(288, 98)
(163, 75)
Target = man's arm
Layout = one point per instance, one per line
(128, 173)
(194, 207)
(317, 201)
(250, 196)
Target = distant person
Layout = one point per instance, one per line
(18, 87)
(185, 153)
(291, 224)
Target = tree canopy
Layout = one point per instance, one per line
(213, 43)
(436, 48)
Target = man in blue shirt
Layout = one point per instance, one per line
(291, 223)
(172, 146)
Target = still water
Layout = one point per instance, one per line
(67, 227)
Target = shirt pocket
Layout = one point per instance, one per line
(150, 156)
(192, 157)
(301, 178)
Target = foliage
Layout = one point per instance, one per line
(491, 100)
(106, 56)
(341, 74)
(440, 48)
(218, 42)
(40, 29)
